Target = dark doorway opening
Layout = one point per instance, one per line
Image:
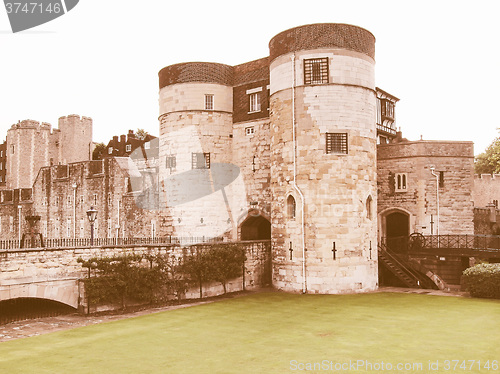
(255, 228)
(397, 230)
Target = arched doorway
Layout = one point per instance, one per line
(255, 228)
(396, 229)
(397, 224)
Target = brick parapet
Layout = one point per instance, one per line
(200, 72)
(323, 35)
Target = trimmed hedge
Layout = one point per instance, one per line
(483, 280)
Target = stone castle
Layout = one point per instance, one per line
(299, 147)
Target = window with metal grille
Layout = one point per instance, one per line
(209, 102)
(200, 160)
(171, 162)
(316, 70)
(336, 142)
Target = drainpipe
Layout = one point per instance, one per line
(437, 197)
(74, 209)
(294, 184)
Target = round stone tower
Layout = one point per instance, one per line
(323, 160)
(196, 104)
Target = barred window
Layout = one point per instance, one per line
(209, 102)
(200, 161)
(336, 142)
(316, 70)
(171, 162)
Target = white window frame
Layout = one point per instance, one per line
(209, 102)
(128, 148)
(147, 145)
(249, 131)
(110, 150)
(401, 182)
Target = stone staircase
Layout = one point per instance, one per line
(398, 267)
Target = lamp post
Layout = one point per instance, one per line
(92, 215)
(19, 208)
(74, 186)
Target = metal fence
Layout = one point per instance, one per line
(99, 242)
(415, 243)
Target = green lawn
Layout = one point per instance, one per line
(276, 333)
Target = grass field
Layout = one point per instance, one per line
(278, 333)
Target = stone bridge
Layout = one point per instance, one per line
(55, 274)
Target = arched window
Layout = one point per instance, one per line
(291, 207)
(369, 204)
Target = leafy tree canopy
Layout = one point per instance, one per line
(488, 162)
(99, 151)
(141, 134)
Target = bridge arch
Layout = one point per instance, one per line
(64, 291)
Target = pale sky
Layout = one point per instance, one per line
(440, 58)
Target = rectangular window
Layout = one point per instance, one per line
(171, 162)
(110, 227)
(401, 182)
(128, 148)
(209, 102)
(110, 150)
(441, 179)
(249, 130)
(95, 199)
(336, 142)
(147, 145)
(316, 70)
(255, 102)
(12, 148)
(68, 228)
(82, 227)
(200, 161)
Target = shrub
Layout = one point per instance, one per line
(483, 280)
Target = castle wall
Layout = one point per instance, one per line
(339, 188)
(203, 190)
(76, 138)
(486, 190)
(419, 198)
(27, 143)
(32, 145)
(251, 151)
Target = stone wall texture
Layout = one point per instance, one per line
(419, 200)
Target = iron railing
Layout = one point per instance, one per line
(11, 244)
(416, 243)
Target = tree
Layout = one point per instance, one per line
(141, 134)
(99, 151)
(488, 162)
(225, 262)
